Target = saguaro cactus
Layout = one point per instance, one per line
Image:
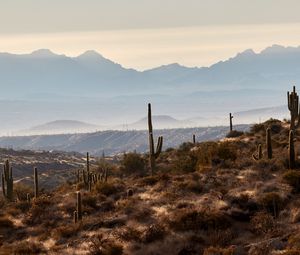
(36, 183)
(7, 181)
(230, 121)
(194, 139)
(79, 207)
(291, 150)
(88, 162)
(269, 143)
(293, 105)
(259, 153)
(153, 154)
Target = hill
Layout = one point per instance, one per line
(113, 142)
(206, 198)
(60, 127)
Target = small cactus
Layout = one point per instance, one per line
(259, 153)
(230, 122)
(7, 181)
(153, 154)
(28, 198)
(36, 183)
(293, 106)
(79, 206)
(88, 162)
(75, 216)
(269, 143)
(291, 150)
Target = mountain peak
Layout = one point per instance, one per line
(43, 53)
(246, 53)
(278, 49)
(90, 54)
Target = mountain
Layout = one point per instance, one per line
(160, 122)
(93, 89)
(91, 74)
(60, 127)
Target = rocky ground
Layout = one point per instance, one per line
(208, 198)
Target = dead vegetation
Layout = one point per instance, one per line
(207, 198)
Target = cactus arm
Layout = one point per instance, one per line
(3, 184)
(159, 146)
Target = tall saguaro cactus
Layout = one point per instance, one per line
(293, 105)
(36, 183)
(153, 155)
(269, 143)
(79, 207)
(7, 181)
(88, 162)
(291, 150)
(230, 121)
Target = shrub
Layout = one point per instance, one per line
(89, 200)
(234, 133)
(66, 231)
(189, 219)
(185, 163)
(5, 223)
(292, 177)
(21, 191)
(133, 163)
(106, 188)
(218, 251)
(263, 223)
(101, 246)
(25, 247)
(272, 202)
(153, 233)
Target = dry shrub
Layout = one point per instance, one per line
(103, 246)
(212, 153)
(291, 252)
(189, 186)
(42, 211)
(5, 223)
(221, 238)
(272, 202)
(107, 188)
(133, 163)
(25, 247)
(185, 162)
(153, 233)
(263, 223)
(190, 219)
(127, 234)
(292, 177)
(89, 200)
(22, 206)
(294, 241)
(234, 133)
(149, 180)
(66, 231)
(21, 191)
(218, 251)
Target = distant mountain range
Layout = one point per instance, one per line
(43, 87)
(91, 74)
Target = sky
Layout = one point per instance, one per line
(142, 34)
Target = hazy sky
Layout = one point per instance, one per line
(143, 33)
